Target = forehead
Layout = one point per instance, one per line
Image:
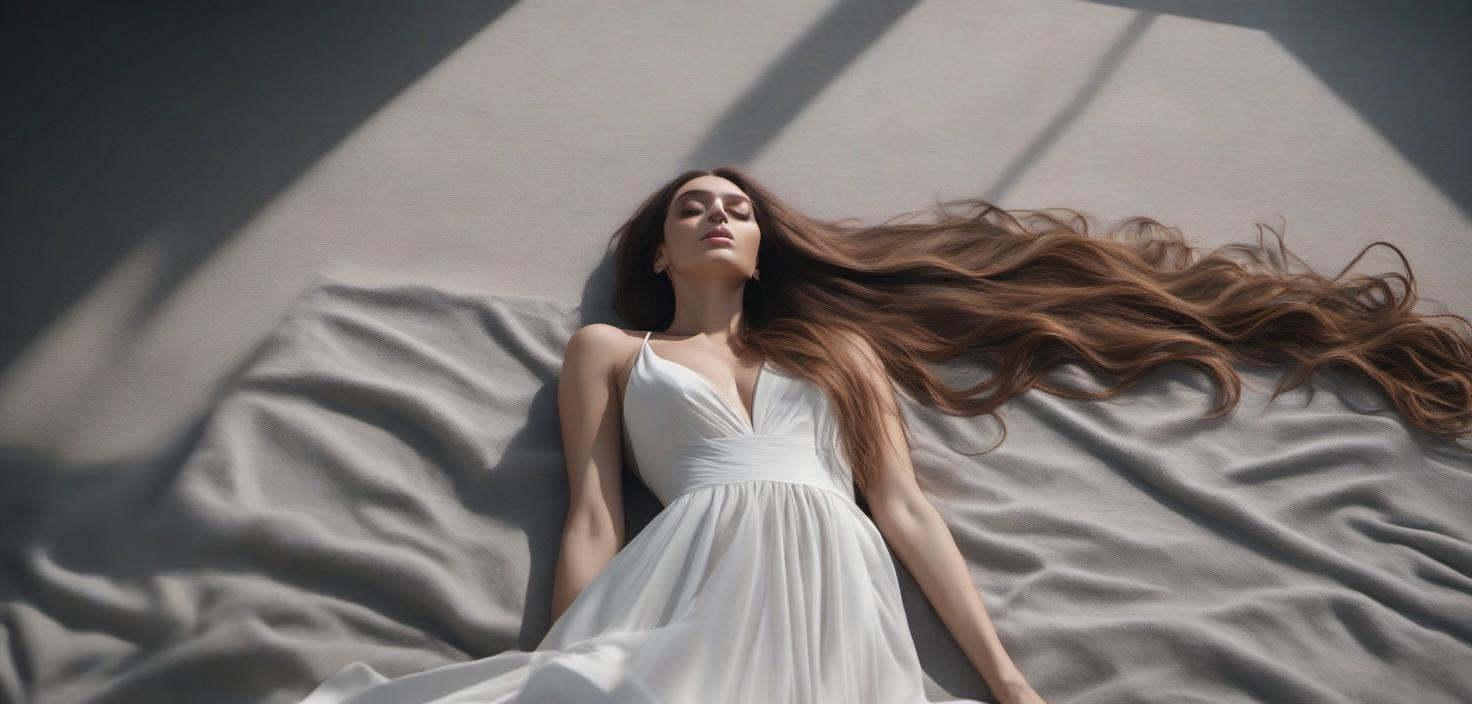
(721, 188)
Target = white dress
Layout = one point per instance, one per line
(761, 580)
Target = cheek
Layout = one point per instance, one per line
(676, 231)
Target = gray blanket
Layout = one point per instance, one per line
(383, 481)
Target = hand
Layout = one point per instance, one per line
(1017, 691)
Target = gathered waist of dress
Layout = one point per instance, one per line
(785, 458)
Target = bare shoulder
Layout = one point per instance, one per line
(598, 349)
(597, 341)
(598, 333)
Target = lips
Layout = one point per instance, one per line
(719, 232)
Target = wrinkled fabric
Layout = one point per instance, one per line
(383, 482)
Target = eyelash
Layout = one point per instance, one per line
(696, 211)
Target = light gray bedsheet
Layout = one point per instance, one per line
(384, 482)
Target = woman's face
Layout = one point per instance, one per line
(693, 244)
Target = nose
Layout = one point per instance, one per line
(718, 213)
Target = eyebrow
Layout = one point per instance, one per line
(702, 192)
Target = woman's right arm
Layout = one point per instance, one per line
(587, 403)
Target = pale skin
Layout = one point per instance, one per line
(708, 278)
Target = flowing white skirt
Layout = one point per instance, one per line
(748, 591)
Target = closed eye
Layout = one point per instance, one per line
(697, 211)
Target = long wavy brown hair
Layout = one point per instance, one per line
(1025, 291)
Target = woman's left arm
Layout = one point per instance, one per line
(928, 550)
(920, 538)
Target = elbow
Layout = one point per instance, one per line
(901, 518)
(598, 529)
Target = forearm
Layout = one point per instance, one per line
(585, 551)
(924, 544)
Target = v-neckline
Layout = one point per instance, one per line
(750, 420)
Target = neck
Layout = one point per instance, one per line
(709, 308)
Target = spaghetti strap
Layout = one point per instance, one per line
(647, 334)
